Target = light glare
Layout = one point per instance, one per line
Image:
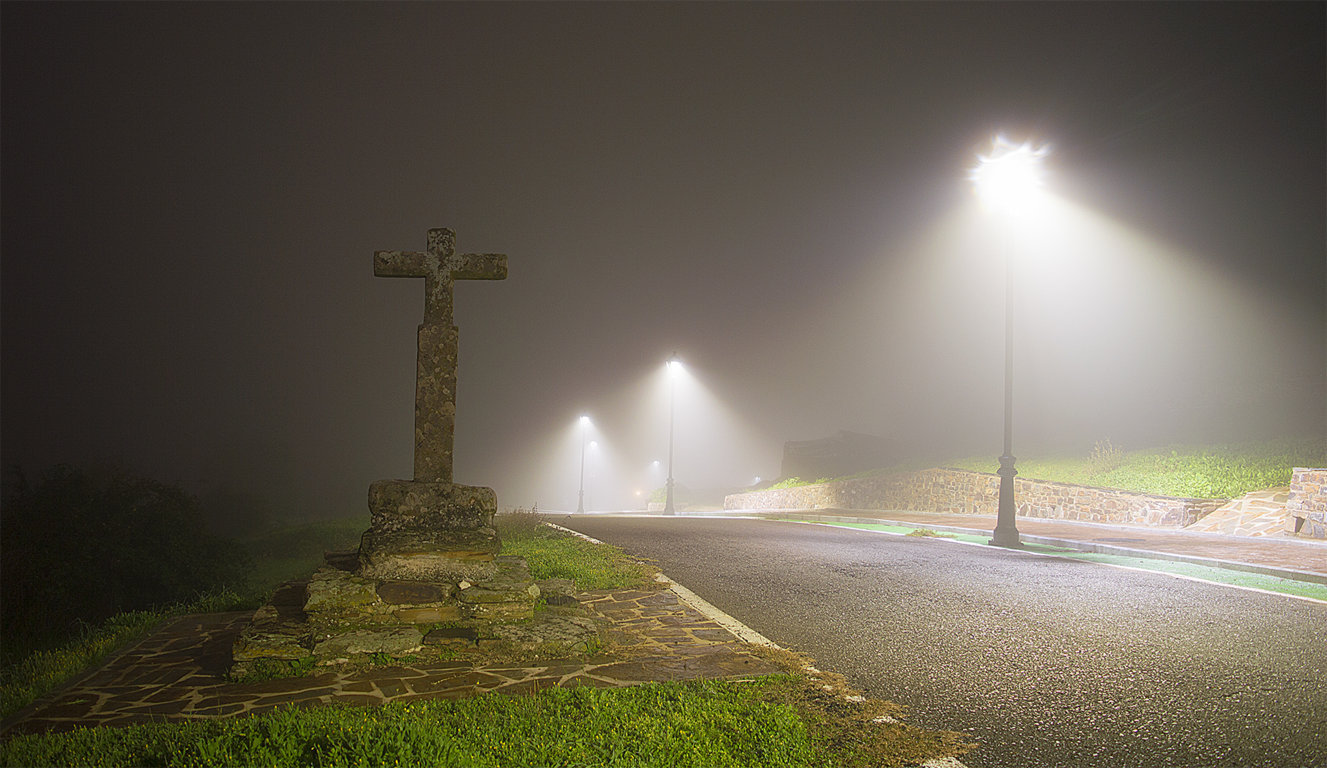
(1010, 177)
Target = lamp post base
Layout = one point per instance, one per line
(668, 500)
(1006, 530)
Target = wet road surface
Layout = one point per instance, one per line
(1047, 662)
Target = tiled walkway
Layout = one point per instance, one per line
(178, 672)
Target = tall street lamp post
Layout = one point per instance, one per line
(673, 364)
(1004, 179)
(580, 504)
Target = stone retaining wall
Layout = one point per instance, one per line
(961, 492)
(1308, 501)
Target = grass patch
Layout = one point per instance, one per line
(928, 533)
(552, 554)
(797, 482)
(1203, 472)
(295, 551)
(770, 721)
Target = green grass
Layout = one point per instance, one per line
(1203, 472)
(295, 551)
(769, 721)
(797, 482)
(552, 554)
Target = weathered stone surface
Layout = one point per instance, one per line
(510, 583)
(394, 640)
(449, 556)
(1307, 502)
(431, 615)
(576, 633)
(332, 591)
(560, 592)
(412, 592)
(287, 642)
(507, 611)
(452, 636)
(435, 377)
(399, 505)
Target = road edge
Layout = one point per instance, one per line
(738, 629)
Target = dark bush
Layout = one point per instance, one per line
(80, 546)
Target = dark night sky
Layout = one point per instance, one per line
(192, 194)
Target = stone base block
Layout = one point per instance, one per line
(429, 532)
(449, 556)
(509, 595)
(400, 505)
(394, 641)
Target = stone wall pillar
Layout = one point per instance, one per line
(1307, 504)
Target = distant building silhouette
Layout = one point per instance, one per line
(845, 453)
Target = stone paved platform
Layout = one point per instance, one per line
(178, 671)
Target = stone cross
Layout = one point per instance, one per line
(435, 369)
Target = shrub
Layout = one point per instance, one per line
(81, 546)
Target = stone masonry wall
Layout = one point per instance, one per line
(1308, 500)
(961, 492)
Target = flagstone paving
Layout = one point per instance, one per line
(1260, 513)
(178, 672)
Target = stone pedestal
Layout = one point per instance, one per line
(423, 531)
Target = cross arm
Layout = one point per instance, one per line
(401, 264)
(479, 266)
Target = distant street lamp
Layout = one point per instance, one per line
(674, 363)
(1005, 180)
(580, 504)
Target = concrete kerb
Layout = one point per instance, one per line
(1080, 546)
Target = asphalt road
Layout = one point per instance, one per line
(1047, 662)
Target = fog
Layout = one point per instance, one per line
(777, 193)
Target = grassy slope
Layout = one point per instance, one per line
(1207, 471)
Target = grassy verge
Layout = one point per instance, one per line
(1207, 573)
(295, 551)
(1204, 472)
(776, 720)
(552, 554)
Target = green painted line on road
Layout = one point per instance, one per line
(1224, 576)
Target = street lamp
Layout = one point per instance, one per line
(674, 364)
(580, 504)
(1007, 180)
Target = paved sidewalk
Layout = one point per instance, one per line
(178, 671)
(1283, 556)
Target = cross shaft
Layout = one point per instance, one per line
(435, 370)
